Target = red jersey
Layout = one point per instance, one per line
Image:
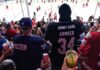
(90, 49)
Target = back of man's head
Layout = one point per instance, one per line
(7, 65)
(65, 10)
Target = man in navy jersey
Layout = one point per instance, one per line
(62, 35)
(27, 47)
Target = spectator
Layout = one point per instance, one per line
(4, 50)
(16, 29)
(62, 35)
(7, 65)
(27, 47)
(10, 32)
(2, 30)
(90, 49)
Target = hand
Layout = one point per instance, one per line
(7, 51)
(45, 64)
(65, 67)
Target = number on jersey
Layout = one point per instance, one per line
(64, 43)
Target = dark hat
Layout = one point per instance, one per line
(65, 10)
(25, 23)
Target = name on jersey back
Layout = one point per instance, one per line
(21, 47)
(66, 33)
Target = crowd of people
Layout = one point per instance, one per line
(30, 45)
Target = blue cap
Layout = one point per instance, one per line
(25, 23)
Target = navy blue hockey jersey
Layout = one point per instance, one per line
(27, 52)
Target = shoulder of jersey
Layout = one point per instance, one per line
(36, 37)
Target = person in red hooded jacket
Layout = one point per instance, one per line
(90, 49)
